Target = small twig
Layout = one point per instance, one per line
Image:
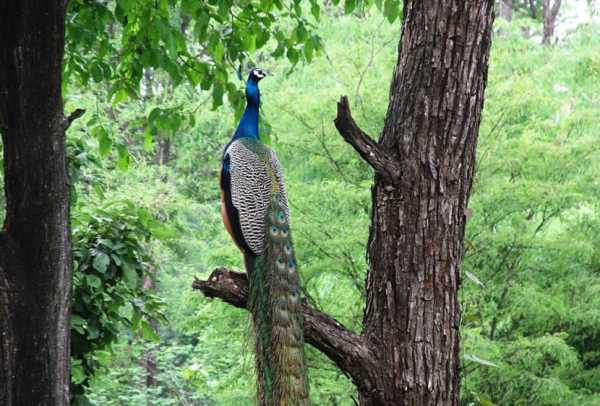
(335, 163)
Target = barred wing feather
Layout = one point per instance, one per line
(255, 177)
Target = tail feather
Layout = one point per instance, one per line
(277, 316)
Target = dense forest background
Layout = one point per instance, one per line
(146, 220)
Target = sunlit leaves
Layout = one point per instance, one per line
(198, 42)
(104, 140)
(533, 199)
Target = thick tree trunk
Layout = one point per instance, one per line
(408, 352)
(416, 240)
(35, 262)
(550, 13)
(506, 9)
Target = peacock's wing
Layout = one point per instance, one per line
(254, 177)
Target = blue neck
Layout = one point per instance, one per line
(248, 126)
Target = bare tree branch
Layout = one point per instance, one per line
(346, 349)
(368, 149)
(73, 116)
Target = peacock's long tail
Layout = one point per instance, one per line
(277, 316)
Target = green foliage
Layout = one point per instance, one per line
(530, 288)
(217, 363)
(110, 283)
(530, 292)
(532, 238)
(197, 43)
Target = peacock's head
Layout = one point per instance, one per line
(252, 92)
(256, 75)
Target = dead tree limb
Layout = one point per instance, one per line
(367, 148)
(346, 349)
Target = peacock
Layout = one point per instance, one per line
(255, 212)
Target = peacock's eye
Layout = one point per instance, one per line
(280, 263)
(292, 264)
(284, 232)
(274, 230)
(288, 249)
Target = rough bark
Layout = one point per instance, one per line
(35, 263)
(416, 241)
(424, 163)
(550, 11)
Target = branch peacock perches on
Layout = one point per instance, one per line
(255, 212)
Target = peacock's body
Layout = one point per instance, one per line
(255, 212)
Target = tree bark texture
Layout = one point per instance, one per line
(417, 230)
(35, 261)
(408, 351)
(550, 11)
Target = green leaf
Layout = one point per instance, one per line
(93, 281)
(293, 55)
(100, 262)
(315, 10)
(217, 95)
(78, 375)
(135, 319)
(130, 275)
(349, 6)
(201, 26)
(124, 158)
(308, 49)
(391, 10)
(148, 332)
(148, 140)
(104, 142)
(249, 42)
(78, 323)
(96, 72)
(301, 33)
(219, 51)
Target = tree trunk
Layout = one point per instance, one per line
(35, 261)
(550, 14)
(408, 352)
(533, 9)
(416, 240)
(506, 9)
